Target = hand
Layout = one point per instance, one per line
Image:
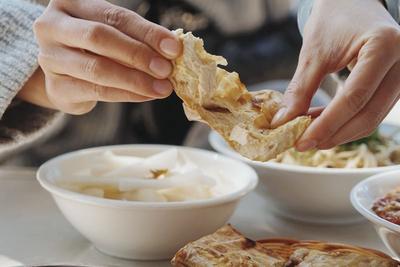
(92, 51)
(360, 34)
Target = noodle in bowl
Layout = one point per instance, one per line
(379, 152)
(310, 193)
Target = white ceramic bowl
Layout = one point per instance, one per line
(363, 196)
(309, 194)
(146, 230)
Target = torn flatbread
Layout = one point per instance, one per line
(217, 97)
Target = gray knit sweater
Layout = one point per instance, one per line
(17, 47)
(21, 123)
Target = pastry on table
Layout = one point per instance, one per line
(227, 247)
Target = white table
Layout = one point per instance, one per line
(33, 231)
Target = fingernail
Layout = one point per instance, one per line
(160, 67)
(162, 87)
(306, 145)
(276, 120)
(170, 47)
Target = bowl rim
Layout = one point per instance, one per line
(366, 211)
(215, 141)
(57, 191)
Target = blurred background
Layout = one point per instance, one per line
(259, 38)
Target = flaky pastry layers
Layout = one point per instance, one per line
(227, 247)
(215, 96)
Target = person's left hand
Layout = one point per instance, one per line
(340, 33)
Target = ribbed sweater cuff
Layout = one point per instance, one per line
(18, 48)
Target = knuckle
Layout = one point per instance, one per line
(98, 90)
(40, 25)
(150, 34)
(52, 86)
(116, 17)
(297, 97)
(356, 99)
(43, 61)
(91, 68)
(142, 85)
(293, 89)
(387, 37)
(134, 57)
(390, 34)
(93, 33)
(139, 56)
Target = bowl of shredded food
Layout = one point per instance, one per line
(144, 202)
(314, 186)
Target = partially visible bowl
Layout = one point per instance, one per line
(309, 194)
(363, 196)
(146, 230)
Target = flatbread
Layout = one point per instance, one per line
(217, 97)
(322, 254)
(228, 247)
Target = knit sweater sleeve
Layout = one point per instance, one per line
(22, 125)
(18, 48)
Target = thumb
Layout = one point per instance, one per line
(305, 82)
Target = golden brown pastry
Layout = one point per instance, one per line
(227, 247)
(320, 254)
(215, 96)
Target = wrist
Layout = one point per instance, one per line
(305, 8)
(34, 90)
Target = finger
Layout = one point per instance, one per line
(107, 41)
(372, 65)
(76, 91)
(61, 102)
(365, 122)
(102, 71)
(305, 82)
(128, 22)
(315, 111)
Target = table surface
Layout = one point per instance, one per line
(33, 231)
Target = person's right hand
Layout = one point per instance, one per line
(91, 50)
(359, 34)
